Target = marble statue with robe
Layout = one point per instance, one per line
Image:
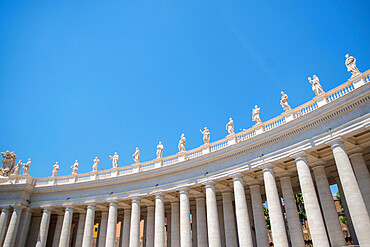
(351, 65)
(17, 168)
(26, 167)
(96, 164)
(159, 152)
(256, 114)
(75, 168)
(115, 160)
(136, 156)
(230, 127)
(181, 145)
(55, 170)
(206, 135)
(284, 102)
(316, 86)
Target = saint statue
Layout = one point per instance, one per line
(159, 152)
(136, 156)
(96, 163)
(351, 65)
(284, 102)
(8, 160)
(115, 160)
(230, 127)
(55, 170)
(316, 86)
(26, 167)
(256, 114)
(206, 135)
(75, 168)
(181, 145)
(17, 168)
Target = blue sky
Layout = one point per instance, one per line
(81, 79)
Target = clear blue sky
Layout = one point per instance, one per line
(80, 79)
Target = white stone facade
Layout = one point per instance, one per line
(203, 198)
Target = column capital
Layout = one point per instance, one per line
(200, 198)
(210, 184)
(184, 190)
(237, 176)
(113, 202)
(68, 208)
(136, 200)
(267, 166)
(255, 185)
(159, 195)
(317, 164)
(301, 155)
(5, 209)
(354, 153)
(336, 141)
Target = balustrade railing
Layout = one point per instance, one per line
(299, 111)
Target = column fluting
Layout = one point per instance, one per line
(44, 228)
(89, 226)
(229, 220)
(159, 234)
(135, 223)
(66, 227)
(112, 225)
(185, 227)
(175, 224)
(13, 227)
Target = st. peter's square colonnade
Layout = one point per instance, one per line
(212, 195)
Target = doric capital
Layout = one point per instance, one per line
(184, 190)
(301, 155)
(335, 142)
(237, 176)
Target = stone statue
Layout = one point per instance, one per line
(284, 102)
(159, 152)
(316, 86)
(206, 135)
(75, 168)
(17, 168)
(351, 65)
(115, 160)
(230, 127)
(8, 160)
(26, 167)
(96, 163)
(256, 114)
(136, 156)
(181, 145)
(55, 170)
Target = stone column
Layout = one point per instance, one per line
(328, 207)
(3, 223)
(13, 227)
(80, 229)
(194, 226)
(363, 177)
(274, 205)
(291, 212)
(24, 226)
(185, 227)
(126, 228)
(135, 223)
(159, 235)
(58, 230)
(220, 212)
(44, 228)
(311, 204)
(355, 201)
(66, 227)
(175, 224)
(89, 226)
(112, 225)
(201, 222)
(229, 220)
(242, 217)
(214, 236)
(150, 226)
(259, 216)
(103, 228)
(169, 228)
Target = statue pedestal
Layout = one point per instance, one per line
(206, 148)
(73, 179)
(182, 156)
(320, 100)
(259, 128)
(288, 115)
(158, 163)
(53, 181)
(136, 168)
(357, 81)
(94, 175)
(115, 172)
(231, 139)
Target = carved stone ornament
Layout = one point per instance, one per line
(230, 127)
(96, 164)
(75, 168)
(8, 160)
(256, 115)
(181, 145)
(159, 152)
(351, 65)
(316, 86)
(55, 170)
(206, 135)
(26, 167)
(284, 102)
(115, 160)
(136, 156)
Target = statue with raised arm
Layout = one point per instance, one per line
(284, 102)
(181, 145)
(55, 170)
(206, 135)
(351, 66)
(96, 164)
(136, 156)
(230, 127)
(316, 86)
(8, 160)
(256, 114)
(75, 168)
(115, 160)
(26, 167)
(17, 168)
(159, 152)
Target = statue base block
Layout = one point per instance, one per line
(206, 148)
(289, 116)
(182, 156)
(320, 100)
(231, 139)
(259, 128)
(158, 163)
(136, 168)
(94, 176)
(73, 179)
(114, 173)
(357, 81)
(53, 181)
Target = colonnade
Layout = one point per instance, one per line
(205, 226)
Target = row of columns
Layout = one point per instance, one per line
(323, 221)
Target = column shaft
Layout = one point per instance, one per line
(112, 225)
(89, 226)
(80, 229)
(169, 228)
(3, 223)
(103, 228)
(159, 235)
(66, 228)
(355, 201)
(44, 228)
(13, 227)
(135, 224)
(126, 228)
(194, 226)
(242, 217)
(329, 210)
(201, 222)
(185, 227)
(175, 224)
(150, 224)
(24, 227)
(58, 230)
(259, 216)
(274, 206)
(214, 236)
(229, 220)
